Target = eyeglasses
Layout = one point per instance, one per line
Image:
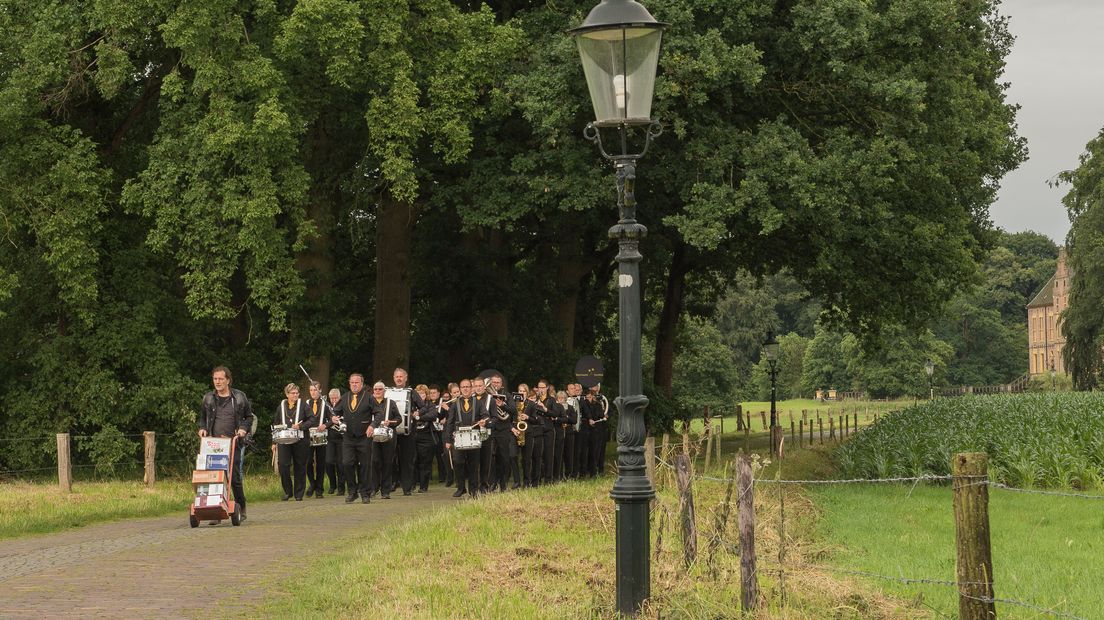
(377, 389)
(465, 385)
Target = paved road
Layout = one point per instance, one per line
(162, 568)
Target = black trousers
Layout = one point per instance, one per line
(334, 469)
(598, 436)
(466, 463)
(423, 462)
(357, 459)
(383, 459)
(440, 456)
(236, 485)
(292, 459)
(407, 452)
(532, 456)
(316, 468)
(569, 453)
(582, 451)
(549, 456)
(486, 450)
(505, 457)
(558, 454)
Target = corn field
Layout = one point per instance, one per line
(1033, 440)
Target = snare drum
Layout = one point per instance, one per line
(383, 434)
(467, 439)
(317, 437)
(285, 435)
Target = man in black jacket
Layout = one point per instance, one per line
(356, 455)
(466, 462)
(226, 412)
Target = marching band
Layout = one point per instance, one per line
(371, 442)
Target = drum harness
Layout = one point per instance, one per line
(284, 413)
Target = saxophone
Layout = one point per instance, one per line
(522, 425)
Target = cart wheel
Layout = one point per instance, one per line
(235, 517)
(193, 521)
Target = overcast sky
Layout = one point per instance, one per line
(1056, 70)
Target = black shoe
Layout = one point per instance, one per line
(242, 518)
(286, 498)
(310, 493)
(386, 496)
(331, 490)
(319, 495)
(407, 494)
(298, 499)
(449, 483)
(351, 498)
(517, 485)
(340, 490)
(458, 493)
(423, 489)
(365, 500)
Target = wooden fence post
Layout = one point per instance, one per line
(686, 510)
(856, 425)
(275, 461)
(739, 417)
(150, 439)
(708, 449)
(971, 514)
(801, 434)
(649, 459)
(831, 428)
(820, 423)
(793, 430)
(749, 587)
(65, 467)
(763, 417)
(810, 432)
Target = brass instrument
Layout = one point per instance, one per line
(521, 425)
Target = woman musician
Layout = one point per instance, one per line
(384, 414)
(316, 458)
(293, 456)
(335, 441)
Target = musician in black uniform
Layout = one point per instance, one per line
(465, 462)
(423, 420)
(533, 452)
(293, 414)
(546, 404)
(405, 443)
(225, 412)
(357, 452)
(316, 461)
(570, 419)
(445, 411)
(582, 441)
(559, 428)
(335, 440)
(479, 386)
(499, 410)
(385, 414)
(437, 427)
(599, 431)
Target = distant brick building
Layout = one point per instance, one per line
(1044, 330)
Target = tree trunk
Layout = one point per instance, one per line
(571, 267)
(496, 316)
(667, 331)
(394, 232)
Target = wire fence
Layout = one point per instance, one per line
(962, 587)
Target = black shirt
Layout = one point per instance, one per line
(226, 425)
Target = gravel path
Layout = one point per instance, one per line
(162, 568)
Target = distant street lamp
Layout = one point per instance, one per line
(770, 351)
(929, 367)
(619, 45)
(1052, 373)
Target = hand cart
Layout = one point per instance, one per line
(211, 480)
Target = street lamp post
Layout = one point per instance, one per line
(1052, 374)
(770, 350)
(929, 367)
(619, 45)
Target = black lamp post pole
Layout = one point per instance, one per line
(632, 491)
(775, 432)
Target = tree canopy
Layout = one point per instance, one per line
(359, 184)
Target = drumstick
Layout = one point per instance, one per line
(451, 466)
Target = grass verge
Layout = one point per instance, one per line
(549, 553)
(40, 507)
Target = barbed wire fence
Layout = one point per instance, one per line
(970, 591)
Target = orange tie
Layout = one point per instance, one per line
(314, 407)
(466, 406)
(354, 402)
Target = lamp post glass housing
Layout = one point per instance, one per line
(619, 46)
